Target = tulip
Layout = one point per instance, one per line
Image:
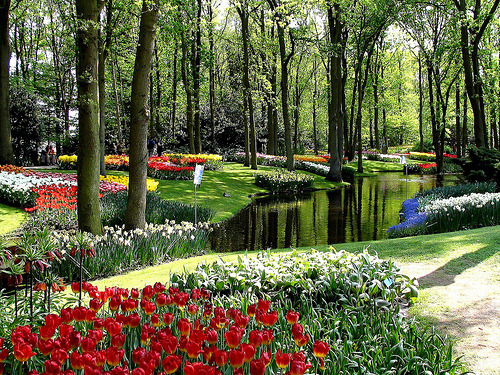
(320, 349)
(114, 303)
(88, 344)
(114, 328)
(52, 367)
(236, 358)
(4, 353)
(221, 357)
(184, 326)
(114, 356)
(297, 330)
(134, 293)
(263, 305)
(292, 317)
(95, 334)
(282, 359)
(211, 336)
(65, 330)
(168, 318)
(52, 320)
(134, 320)
(76, 360)
(46, 332)
(60, 356)
(169, 344)
(155, 320)
(118, 341)
(138, 355)
(269, 319)
(255, 338)
(66, 315)
(195, 294)
(95, 304)
(100, 358)
(159, 287)
(75, 288)
(1, 368)
(161, 300)
(180, 299)
(297, 368)
(193, 349)
(148, 292)
(321, 364)
(302, 340)
(267, 336)
(148, 307)
(249, 351)
(251, 310)
(257, 367)
(171, 363)
(233, 338)
(192, 309)
(23, 352)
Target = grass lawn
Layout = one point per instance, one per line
(10, 218)
(459, 276)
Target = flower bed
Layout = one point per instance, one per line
(282, 181)
(152, 185)
(448, 209)
(144, 332)
(167, 171)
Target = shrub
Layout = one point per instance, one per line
(281, 181)
(482, 164)
(158, 210)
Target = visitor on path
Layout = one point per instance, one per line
(151, 147)
(159, 147)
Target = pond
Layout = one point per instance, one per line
(364, 211)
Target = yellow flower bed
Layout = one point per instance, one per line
(152, 185)
(213, 157)
(426, 156)
(68, 158)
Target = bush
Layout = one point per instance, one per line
(482, 164)
(158, 210)
(282, 181)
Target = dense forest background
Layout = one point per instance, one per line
(415, 73)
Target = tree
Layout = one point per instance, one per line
(473, 21)
(135, 216)
(6, 151)
(337, 39)
(89, 217)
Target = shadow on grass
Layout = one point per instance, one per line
(445, 275)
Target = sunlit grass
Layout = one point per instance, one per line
(10, 218)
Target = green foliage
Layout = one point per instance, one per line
(158, 210)
(283, 181)
(482, 164)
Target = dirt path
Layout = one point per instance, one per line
(464, 304)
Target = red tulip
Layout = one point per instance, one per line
(76, 360)
(267, 336)
(148, 292)
(134, 320)
(255, 338)
(320, 349)
(1, 368)
(114, 328)
(155, 320)
(221, 357)
(66, 315)
(251, 310)
(138, 355)
(292, 317)
(263, 305)
(23, 352)
(180, 299)
(184, 327)
(193, 349)
(168, 318)
(52, 320)
(302, 340)
(249, 351)
(79, 313)
(283, 359)
(46, 332)
(161, 300)
(195, 294)
(169, 344)
(233, 338)
(115, 302)
(211, 336)
(192, 309)
(269, 319)
(4, 353)
(134, 293)
(114, 356)
(297, 330)
(159, 287)
(257, 367)
(321, 364)
(75, 287)
(298, 367)
(60, 356)
(171, 363)
(236, 358)
(52, 367)
(100, 358)
(118, 341)
(88, 344)
(95, 304)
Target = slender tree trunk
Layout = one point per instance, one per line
(458, 125)
(135, 216)
(420, 104)
(6, 150)
(465, 136)
(174, 92)
(314, 115)
(189, 96)
(158, 126)
(211, 73)
(117, 110)
(89, 218)
(196, 80)
(246, 163)
(335, 121)
(272, 123)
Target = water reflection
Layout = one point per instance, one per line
(364, 211)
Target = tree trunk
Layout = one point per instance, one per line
(211, 73)
(335, 113)
(244, 15)
(117, 111)
(465, 137)
(6, 150)
(314, 115)
(189, 96)
(420, 104)
(89, 218)
(458, 125)
(174, 92)
(136, 203)
(196, 80)
(158, 126)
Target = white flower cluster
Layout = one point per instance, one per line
(319, 166)
(475, 200)
(19, 182)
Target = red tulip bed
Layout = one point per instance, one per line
(169, 171)
(162, 331)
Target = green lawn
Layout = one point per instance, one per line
(10, 218)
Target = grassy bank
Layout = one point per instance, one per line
(10, 218)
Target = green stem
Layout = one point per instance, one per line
(81, 279)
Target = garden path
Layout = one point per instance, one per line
(464, 303)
